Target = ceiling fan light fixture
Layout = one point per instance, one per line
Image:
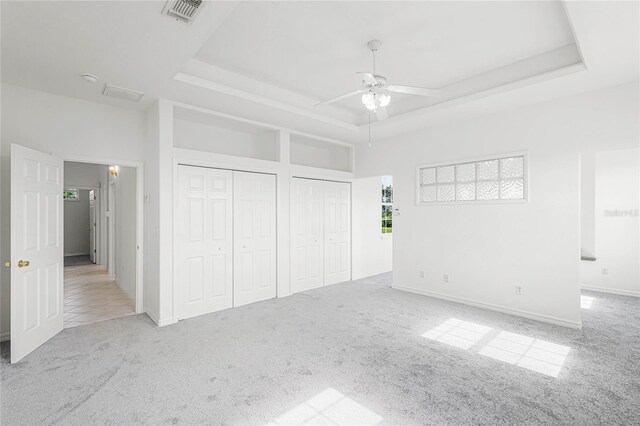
(384, 99)
(369, 101)
(372, 101)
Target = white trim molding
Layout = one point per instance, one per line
(612, 291)
(491, 307)
(242, 94)
(159, 322)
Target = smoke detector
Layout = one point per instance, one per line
(182, 10)
(122, 93)
(89, 78)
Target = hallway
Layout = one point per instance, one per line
(92, 295)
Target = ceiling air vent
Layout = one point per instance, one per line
(122, 93)
(182, 10)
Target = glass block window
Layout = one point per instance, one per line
(387, 205)
(493, 179)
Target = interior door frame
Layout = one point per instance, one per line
(139, 166)
(209, 164)
(111, 235)
(98, 206)
(95, 225)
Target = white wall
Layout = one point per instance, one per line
(125, 230)
(617, 250)
(488, 249)
(76, 225)
(587, 204)
(311, 152)
(209, 138)
(152, 215)
(84, 174)
(67, 127)
(372, 251)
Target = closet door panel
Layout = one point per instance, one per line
(255, 237)
(307, 229)
(204, 241)
(337, 232)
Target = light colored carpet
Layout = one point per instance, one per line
(350, 353)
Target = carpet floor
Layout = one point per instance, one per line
(353, 353)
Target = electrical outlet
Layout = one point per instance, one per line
(518, 289)
(446, 278)
(421, 274)
(605, 271)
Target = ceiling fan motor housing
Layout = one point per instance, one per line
(381, 81)
(374, 45)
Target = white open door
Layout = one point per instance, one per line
(337, 232)
(92, 226)
(205, 241)
(307, 235)
(36, 249)
(254, 220)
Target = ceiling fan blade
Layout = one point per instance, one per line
(381, 113)
(421, 91)
(368, 78)
(347, 95)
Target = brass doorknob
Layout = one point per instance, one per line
(22, 263)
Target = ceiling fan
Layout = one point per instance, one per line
(376, 91)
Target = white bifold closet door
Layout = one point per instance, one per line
(204, 272)
(254, 200)
(337, 232)
(320, 233)
(307, 237)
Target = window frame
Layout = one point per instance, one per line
(74, 190)
(525, 177)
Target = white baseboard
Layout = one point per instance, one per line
(159, 322)
(84, 253)
(612, 291)
(367, 275)
(151, 315)
(164, 322)
(4, 336)
(497, 308)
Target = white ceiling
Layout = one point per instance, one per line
(315, 48)
(47, 45)
(271, 62)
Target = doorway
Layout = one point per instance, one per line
(99, 235)
(37, 189)
(80, 222)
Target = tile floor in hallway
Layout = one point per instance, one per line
(92, 295)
